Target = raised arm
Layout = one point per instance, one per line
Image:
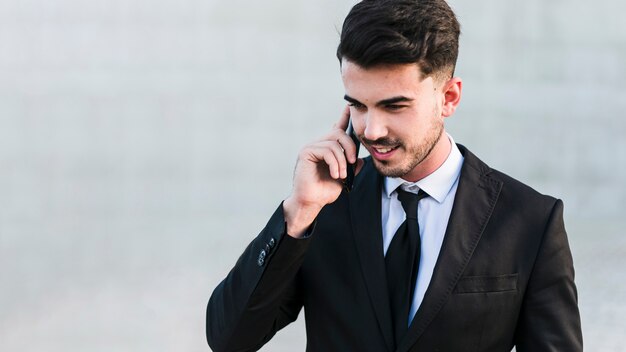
(261, 294)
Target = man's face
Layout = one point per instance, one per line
(396, 114)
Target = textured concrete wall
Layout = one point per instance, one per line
(143, 144)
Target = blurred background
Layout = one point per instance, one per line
(144, 143)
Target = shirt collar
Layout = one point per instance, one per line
(438, 183)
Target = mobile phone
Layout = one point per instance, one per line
(349, 181)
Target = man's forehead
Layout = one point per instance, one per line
(383, 82)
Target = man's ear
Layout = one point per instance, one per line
(451, 96)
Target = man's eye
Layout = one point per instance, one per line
(357, 106)
(395, 107)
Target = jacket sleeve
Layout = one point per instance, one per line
(549, 320)
(260, 295)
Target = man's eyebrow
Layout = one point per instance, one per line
(394, 100)
(389, 101)
(350, 99)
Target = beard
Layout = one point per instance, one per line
(415, 154)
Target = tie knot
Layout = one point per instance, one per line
(409, 201)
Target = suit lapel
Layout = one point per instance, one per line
(365, 213)
(475, 199)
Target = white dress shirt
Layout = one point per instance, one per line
(433, 213)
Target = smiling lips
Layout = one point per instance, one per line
(383, 153)
(384, 150)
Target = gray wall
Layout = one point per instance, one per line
(144, 143)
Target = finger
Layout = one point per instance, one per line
(342, 124)
(340, 157)
(345, 142)
(348, 146)
(331, 160)
(323, 151)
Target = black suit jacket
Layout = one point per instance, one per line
(504, 276)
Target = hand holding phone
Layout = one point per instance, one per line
(322, 172)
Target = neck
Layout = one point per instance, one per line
(433, 160)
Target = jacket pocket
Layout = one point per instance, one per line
(478, 284)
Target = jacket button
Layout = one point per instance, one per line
(268, 248)
(261, 260)
(272, 243)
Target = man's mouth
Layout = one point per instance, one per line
(382, 153)
(384, 150)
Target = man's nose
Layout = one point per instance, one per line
(375, 126)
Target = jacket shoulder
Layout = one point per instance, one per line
(512, 189)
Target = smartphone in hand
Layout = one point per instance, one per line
(349, 181)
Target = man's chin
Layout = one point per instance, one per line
(386, 169)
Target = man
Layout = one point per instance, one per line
(476, 262)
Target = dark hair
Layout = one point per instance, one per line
(383, 32)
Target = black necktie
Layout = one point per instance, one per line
(402, 262)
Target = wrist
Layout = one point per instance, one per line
(298, 216)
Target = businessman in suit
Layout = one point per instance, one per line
(432, 250)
